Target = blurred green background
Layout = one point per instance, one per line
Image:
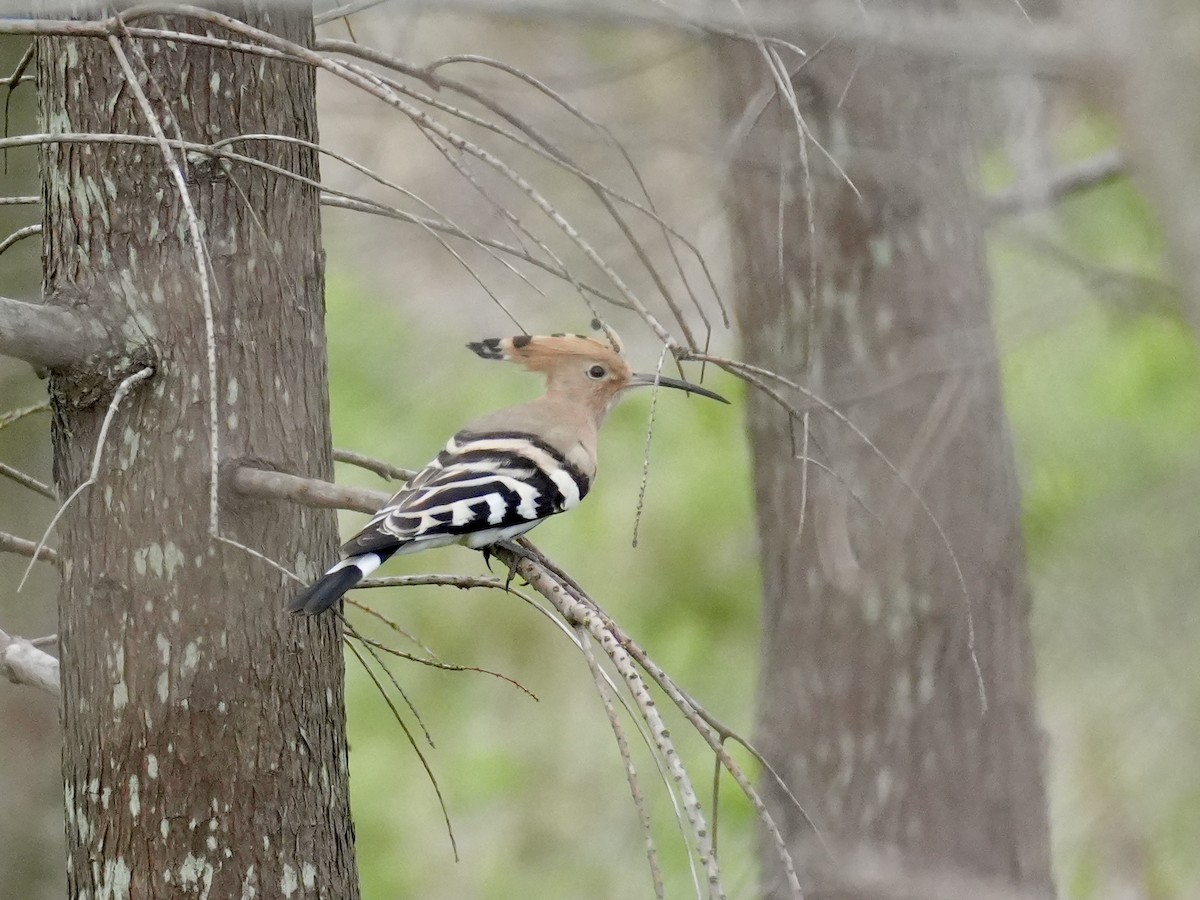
(1102, 384)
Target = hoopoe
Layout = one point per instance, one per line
(506, 472)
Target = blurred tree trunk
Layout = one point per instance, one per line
(870, 708)
(204, 745)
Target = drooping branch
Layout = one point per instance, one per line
(23, 663)
(576, 608)
(47, 336)
(1095, 171)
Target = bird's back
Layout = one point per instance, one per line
(497, 477)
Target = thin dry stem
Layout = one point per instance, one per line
(758, 376)
(18, 235)
(383, 469)
(198, 249)
(122, 390)
(639, 802)
(27, 481)
(412, 742)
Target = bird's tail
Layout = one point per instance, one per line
(328, 590)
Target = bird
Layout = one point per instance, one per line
(506, 472)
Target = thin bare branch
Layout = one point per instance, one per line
(266, 485)
(435, 663)
(23, 663)
(27, 481)
(759, 377)
(641, 500)
(18, 235)
(346, 9)
(991, 40)
(16, 415)
(566, 599)
(10, 543)
(411, 740)
(541, 146)
(198, 250)
(614, 721)
(463, 582)
(425, 122)
(1101, 169)
(20, 200)
(50, 337)
(122, 390)
(372, 207)
(381, 468)
(713, 734)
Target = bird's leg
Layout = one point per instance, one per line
(516, 550)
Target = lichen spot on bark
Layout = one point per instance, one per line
(288, 884)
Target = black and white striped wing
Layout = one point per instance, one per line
(483, 486)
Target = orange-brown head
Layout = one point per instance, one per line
(579, 369)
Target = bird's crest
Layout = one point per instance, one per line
(543, 352)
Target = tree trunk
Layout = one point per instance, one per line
(204, 748)
(870, 708)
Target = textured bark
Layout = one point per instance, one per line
(205, 751)
(869, 700)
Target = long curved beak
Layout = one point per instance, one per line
(663, 381)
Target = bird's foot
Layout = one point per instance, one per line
(516, 550)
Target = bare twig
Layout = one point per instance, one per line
(51, 337)
(122, 389)
(641, 500)
(27, 481)
(997, 41)
(1101, 169)
(759, 377)
(198, 250)
(16, 415)
(19, 234)
(260, 483)
(381, 468)
(639, 802)
(463, 582)
(712, 732)
(433, 662)
(567, 600)
(23, 663)
(10, 543)
(411, 741)
(346, 9)
(556, 267)
(20, 201)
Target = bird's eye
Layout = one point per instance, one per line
(596, 372)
